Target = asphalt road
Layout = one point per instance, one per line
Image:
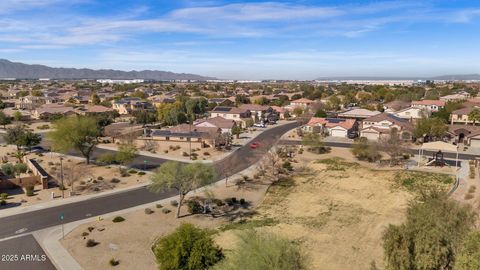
(23, 253)
(40, 219)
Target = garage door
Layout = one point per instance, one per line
(370, 135)
(338, 133)
(475, 143)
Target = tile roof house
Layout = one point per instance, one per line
(378, 126)
(358, 114)
(456, 97)
(240, 116)
(395, 106)
(185, 133)
(261, 113)
(301, 103)
(335, 127)
(225, 125)
(48, 110)
(460, 116)
(429, 105)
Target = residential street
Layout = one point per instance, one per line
(40, 219)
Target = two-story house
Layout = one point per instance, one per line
(381, 125)
(129, 104)
(240, 116)
(335, 127)
(461, 116)
(260, 113)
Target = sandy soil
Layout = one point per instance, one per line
(337, 216)
(131, 241)
(88, 178)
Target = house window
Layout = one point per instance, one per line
(167, 138)
(188, 139)
(181, 138)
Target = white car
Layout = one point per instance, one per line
(259, 125)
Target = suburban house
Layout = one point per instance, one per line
(378, 126)
(30, 102)
(335, 127)
(225, 125)
(185, 133)
(128, 105)
(260, 113)
(460, 116)
(429, 105)
(48, 110)
(280, 111)
(358, 114)
(465, 134)
(94, 110)
(395, 106)
(456, 97)
(221, 101)
(240, 116)
(302, 103)
(412, 113)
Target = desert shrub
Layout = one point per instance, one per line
(468, 257)
(50, 163)
(100, 178)
(364, 150)
(29, 191)
(107, 158)
(115, 180)
(468, 196)
(118, 219)
(432, 233)
(194, 155)
(218, 202)
(4, 196)
(206, 153)
(185, 154)
(148, 211)
(45, 126)
(141, 173)
(423, 181)
(472, 189)
(166, 211)
(114, 262)
(91, 243)
(132, 171)
(188, 247)
(62, 187)
(242, 201)
(287, 165)
(90, 229)
(85, 234)
(8, 169)
(158, 205)
(3, 202)
(124, 173)
(263, 251)
(174, 203)
(165, 151)
(194, 207)
(234, 200)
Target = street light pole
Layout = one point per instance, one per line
(61, 177)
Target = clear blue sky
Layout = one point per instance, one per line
(247, 39)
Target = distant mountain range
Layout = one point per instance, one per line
(15, 70)
(458, 77)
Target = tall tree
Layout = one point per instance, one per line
(182, 178)
(313, 142)
(392, 145)
(95, 99)
(4, 119)
(80, 133)
(474, 115)
(126, 154)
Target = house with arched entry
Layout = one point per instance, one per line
(465, 134)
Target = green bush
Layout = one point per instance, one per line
(3, 202)
(166, 211)
(364, 150)
(8, 169)
(263, 251)
(132, 171)
(194, 207)
(188, 247)
(148, 211)
(432, 233)
(90, 229)
(29, 191)
(174, 203)
(107, 158)
(118, 219)
(4, 196)
(100, 178)
(158, 205)
(85, 234)
(469, 255)
(287, 165)
(141, 173)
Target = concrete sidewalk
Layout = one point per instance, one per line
(49, 239)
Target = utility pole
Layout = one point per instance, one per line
(190, 139)
(61, 177)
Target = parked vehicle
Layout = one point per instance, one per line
(259, 125)
(254, 145)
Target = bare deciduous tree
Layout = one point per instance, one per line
(393, 145)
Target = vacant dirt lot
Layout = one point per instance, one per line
(336, 211)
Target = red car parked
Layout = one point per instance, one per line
(254, 145)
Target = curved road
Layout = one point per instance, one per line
(241, 159)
